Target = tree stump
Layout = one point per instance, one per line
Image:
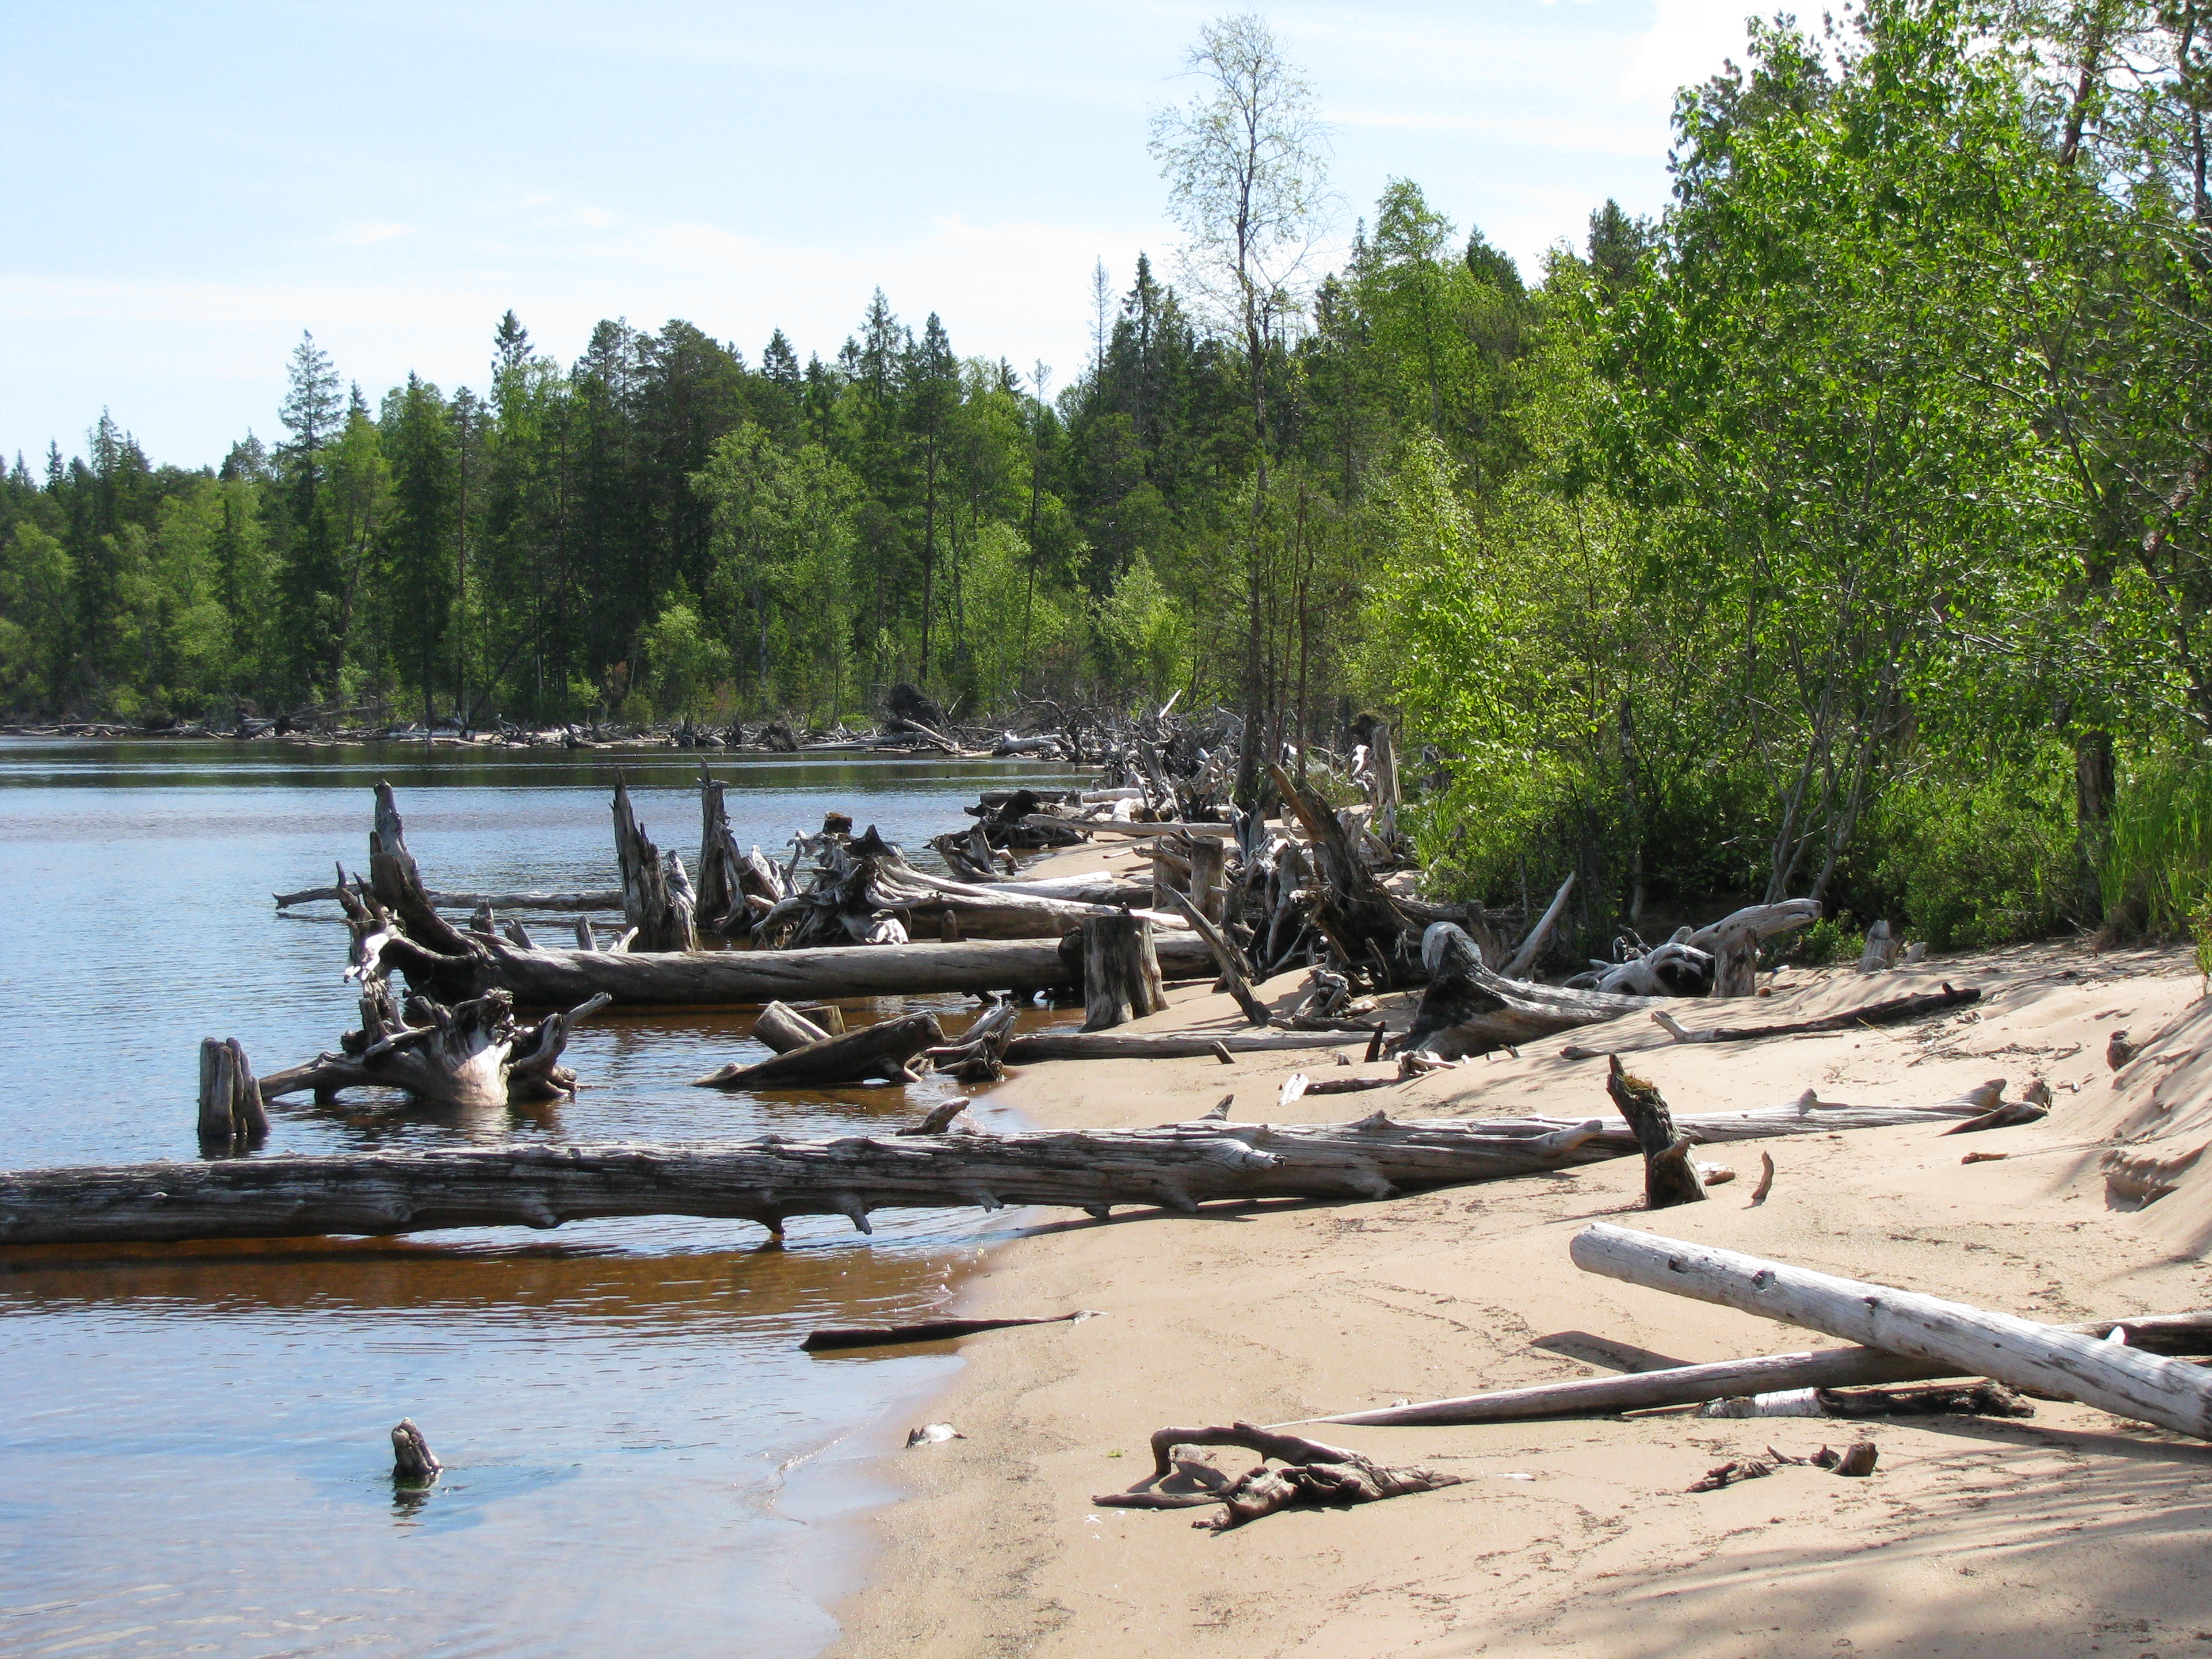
(231, 1115)
(412, 1460)
(657, 897)
(1736, 964)
(1121, 972)
(1209, 885)
(1882, 949)
(1669, 1177)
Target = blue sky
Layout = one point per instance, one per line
(191, 185)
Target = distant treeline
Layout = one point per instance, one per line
(1844, 530)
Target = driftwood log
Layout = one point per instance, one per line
(831, 1339)
(783, 1028)
(1693, 1385)
(1312, 1473)
(472, 1054)
(1036, 1046)
(1532, 948)
(1174, 1167)
(1226, 956)
(1471, 1011)
(611, 900)
(881, 1050)
(1354, 911)
(1916, 1006)
(2021, 1353)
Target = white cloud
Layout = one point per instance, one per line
(1686, 43)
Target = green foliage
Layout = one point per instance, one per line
(1827, 942)
(2156, 871)
(686, 664)
(1977, 856)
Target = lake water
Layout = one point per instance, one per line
(195, 1438)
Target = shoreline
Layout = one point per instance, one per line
(1977, 1536)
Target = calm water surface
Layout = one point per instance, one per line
(195, 1438)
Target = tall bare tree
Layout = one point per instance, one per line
(1246, 166)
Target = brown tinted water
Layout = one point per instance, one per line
(196, 1438)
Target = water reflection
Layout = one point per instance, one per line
(209, 1425)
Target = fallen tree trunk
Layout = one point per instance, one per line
(1162, 1045)
(1693, 1385)
(1174, 1167)
(2021, 1353)
(1227, 957)
(1532, 947)
(830, 1338)
(1475, 1011)
(879, 1050)
(708, 979)
(611, 900)
(1874, 1014)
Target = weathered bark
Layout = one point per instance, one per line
(1312, 1474)
(1764, 920)
(1176, 1167)
(1037, 1045)
(231, 1115)
(1735, 963)
(1121, 972)
(1227, 957)
(881, 1050)
(707, 979)
(1532, 948)
(1462, 1013)
(1669, 1177)
(722, 907)
(472, 1054)
(2021, 1353)
(783, 1029)
(1874, 1014)
(611, 900)
(656, 896)
(1354, 912)
(1209, 886)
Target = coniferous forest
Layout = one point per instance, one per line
(1841, 531)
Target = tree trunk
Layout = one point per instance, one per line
(1532, 948)
(1736, 964)
(1176, 1167)
(1873, 1014)
(880, 1050)
(1038, 1045)
(2021, 1353)
(1121, 972)
(610, 900)
(1208, 876)
(1693, 1385)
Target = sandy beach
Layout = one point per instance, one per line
(2068, 1532)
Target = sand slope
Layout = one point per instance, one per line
(2068, 1534)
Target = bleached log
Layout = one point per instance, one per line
(1532, 947)
(881, 1050)
(1176, 1167)
(1693, 1385)
(1881, 948)
(2021, 1353)
(1735, 963)
(611, 900)
(1228, 958)
(1037, 1045)
(1764, 920)
(1462, 1013)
